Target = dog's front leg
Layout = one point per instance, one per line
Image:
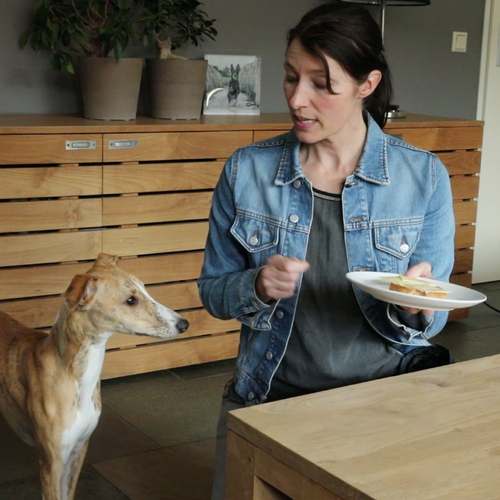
(51, 473)
(72, 471)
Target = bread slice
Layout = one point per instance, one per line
(415, 286)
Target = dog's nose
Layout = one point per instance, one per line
(182, 325)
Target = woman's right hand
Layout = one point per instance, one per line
(278, 278)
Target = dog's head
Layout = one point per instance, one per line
(114, 301)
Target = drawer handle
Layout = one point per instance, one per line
(397, 136)
(79, 145)
(124, 144)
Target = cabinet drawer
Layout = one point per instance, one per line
(147, 178)
(39, 149)
(123, 210)
(156, 239)
(441, 139)
(173, 146)
(27, 249)
(461, 162)
(121, 362)
(18, 216)
(260, 135)
(465, 212)
(465, 187)
(44, 182)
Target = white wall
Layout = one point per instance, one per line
(487, 247)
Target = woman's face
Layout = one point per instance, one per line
(317, 113)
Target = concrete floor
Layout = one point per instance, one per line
(155, 439)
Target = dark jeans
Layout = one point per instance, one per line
(422, 358)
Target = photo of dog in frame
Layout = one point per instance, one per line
(233, 85)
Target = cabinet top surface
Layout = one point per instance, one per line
(57, 124)
(425, 435)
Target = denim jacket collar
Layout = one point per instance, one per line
(372, 165)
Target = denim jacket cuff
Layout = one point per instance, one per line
(256, 314)
(412, 324)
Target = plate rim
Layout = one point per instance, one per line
(420, 301)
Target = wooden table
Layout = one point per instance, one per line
(433, 434)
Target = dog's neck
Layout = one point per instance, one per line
(75, 340)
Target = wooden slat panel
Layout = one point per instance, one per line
(465, 212)
(463, 260)
(457, 314)
(22, 216)
(464, 236)
(465, 188)
(261, 135)
(200, 323)
(165, 268)
(461, 162)
(155, 239)
(36, 281)
(464, 279)
(146, 178)
(442, 139)
(44, 182)
(48, 248)
(34, 313)
(177, 295)
(37, 149)
(156, 208)
(169, 355)
(176, 146)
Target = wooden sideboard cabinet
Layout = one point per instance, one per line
(71, 188)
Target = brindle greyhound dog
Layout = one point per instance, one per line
(50, 383)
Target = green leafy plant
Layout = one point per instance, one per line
(170, 24)
(81, 27)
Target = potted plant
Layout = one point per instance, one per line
(98, 31)
(176, 84)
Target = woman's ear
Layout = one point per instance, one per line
(370, 84)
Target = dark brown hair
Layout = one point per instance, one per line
(349, 34)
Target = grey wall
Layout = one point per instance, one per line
(428, 77)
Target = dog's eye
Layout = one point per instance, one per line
(132, 301)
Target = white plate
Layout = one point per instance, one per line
(458, 297)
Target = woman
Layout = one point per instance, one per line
(293, 214)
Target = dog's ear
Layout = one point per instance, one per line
(80, 291)
(104, 259)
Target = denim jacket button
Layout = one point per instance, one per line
(279, 314)
(251, 396)
(269, 355)
(293, 218)
(297, 184)
(253, 240)
(404, 248)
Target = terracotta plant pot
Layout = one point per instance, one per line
(110, 89)
(176, 87)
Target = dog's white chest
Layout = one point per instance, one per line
(87, 414)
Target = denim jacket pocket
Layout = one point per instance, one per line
(259, 237)
(395, 243)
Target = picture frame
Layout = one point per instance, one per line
(232, 85)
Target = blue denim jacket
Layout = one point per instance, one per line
(397, 209)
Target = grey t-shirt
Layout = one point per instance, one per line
(331, 343)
